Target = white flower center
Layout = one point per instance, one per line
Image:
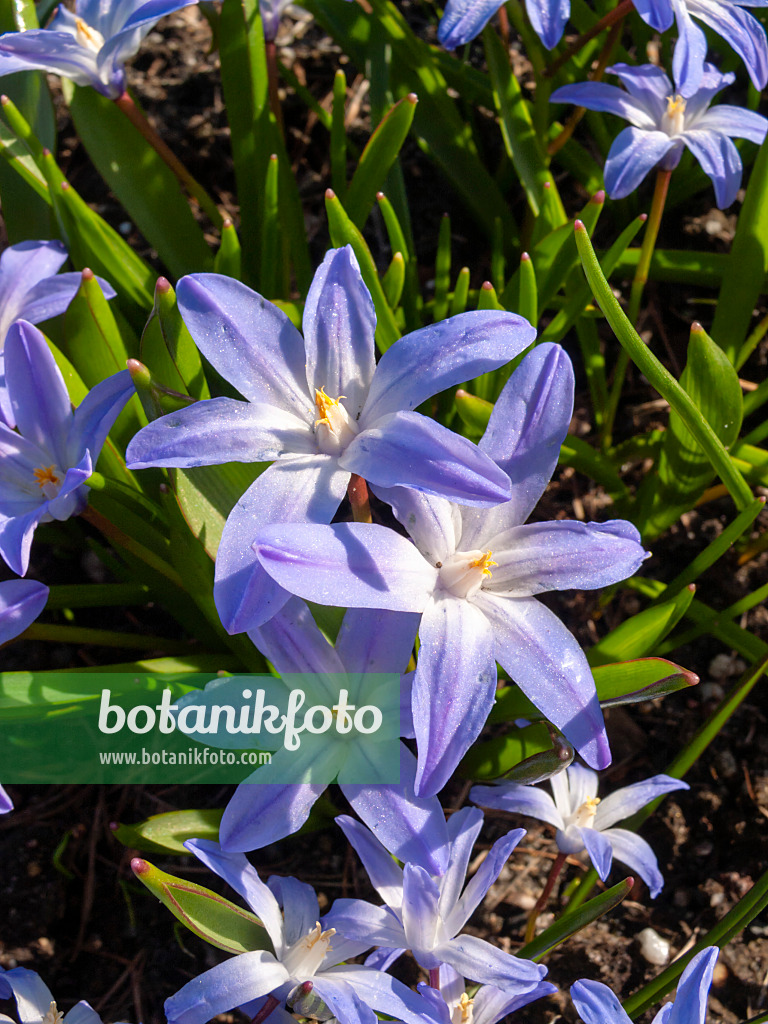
(53, 1015)
(465, 571)
(673, 119)
(462, 1011)
(49, 480)
(585, 815)
(88, 36)
(334, 427)
(304, 957)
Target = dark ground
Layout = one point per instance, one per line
(70, 906)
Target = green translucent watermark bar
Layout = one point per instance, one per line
(133, 728)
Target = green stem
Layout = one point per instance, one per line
(116, 536)
(102, 638)
(195, 189)
(658, 376)
(636, 294)
(97, 595)
(586, 885)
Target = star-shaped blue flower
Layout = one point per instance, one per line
(663, 122)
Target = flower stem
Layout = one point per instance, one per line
(273, 77)
(357, 492)
(541, 902)
(270, 1003)
(195, 189)
(434, 978)
(614, 17)
(636, 294)
(116, 536)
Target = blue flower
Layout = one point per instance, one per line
(321, 409)
(44, 466)
(488, 1004)
(474, 575)
(597, 1004)
(584, 822)
(34, 1002)
(5, 803)
(663, 121)
(89, 46)
(426, 910)
(304, 952)
(465, 19)
(31, 289)
(21, 601)
(725, 17)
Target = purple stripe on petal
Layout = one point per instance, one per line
(625, 802)
(599, 848)
(21, 601)
(518, 799)
(690, 1006)
(224, 987)
(597, 1004)
(462, 20)
(633, 154)
(633, 851)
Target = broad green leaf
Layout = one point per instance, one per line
(473, 411)
(207, 495)
(442, 269)
(167, 833)
(639, 636)
(205, 913)
(339, 134)
(228, 260)
(142, 181)
(167, 347)
(683, 469)
(394, 280)
(495, 757)
(378, 156)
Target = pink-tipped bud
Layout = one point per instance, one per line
(547, 184)
(163, 285)
(487, 286)
(380, 196)
(525, 258)
(4, 99)
(330, 194)
(696, 327)
(578, 225)
(643, 217)
(412, 97)
(139, 867)
(46, 151)
(598, 198)
(226, 224)
(88, 274)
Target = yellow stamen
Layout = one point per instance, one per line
(53, 1016)
(325, 404)
(318, 935)
(45, 475)
(484, 563)
(675, 105)
(465, 1003)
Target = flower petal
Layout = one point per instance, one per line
(343, 1000)
(339, 326)
(258, 815)
(624, 802)
(633, 154)
(463, 829)
(220, 430)
(21, 601)
(52, 296)
(442, 356)
(483, 879)
(518, 799)
(734, 122)
(301, 910)
(16, 534)
(6, 805)
(633, 851)
(741, 31)
(582, 786)
(45, 50)
(596, 1004)
(250, 342)
(360, 565)
(303, 488)
(549, 666)
(32, 995)
(719, 160)
(454, 687)
(462, 20)
(690, 51)
(421, 916)
(434, 524)
(491, 1004)
(477, 959)
(23, 267)
(648, 84)
(690, 1006)
(384, 874)
(224, 987)
(293, 643)
(599, 849)
(370, 640)
(548, 18)
(607, 99)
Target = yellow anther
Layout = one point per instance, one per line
(675, 105)
(465, 1005)
(318, 935)
(45, 475)
(53, 1015)
(325, 405)
(485, 562)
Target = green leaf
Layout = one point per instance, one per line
(228, 260)
(442, 269)
(378, 157)
(473, 411)
(394, 280)
(167, 347)
(142, 181)
(638, 636)
(207, 495)
(744, 276)
(499, 755)
(572, 922)
(205, 913)
(339, 134)
(684, 471)
(167, 833)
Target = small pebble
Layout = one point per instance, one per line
(653, 947)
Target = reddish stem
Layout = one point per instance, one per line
(541, 902)
(270, 1003)
(357, 492)
(434, 978)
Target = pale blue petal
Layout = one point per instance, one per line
(301, 910)
(381, 959)
(463, 829)
(582, 786)
(293, 643)
(82, 1013)
(454, 687)
(434, 524)
(22, 268)
(224, 987)
(690, 1005)
(734, 122)
(741, 31)
(383, 993)
(421, 916)
(32, 995)
(482, 880)
(125, 42)
(360, 921)
(477, 959)
(44, 50)
(633, 851)
(259, 814)
(719, 160)
(6, 805)
(608, 99)
(36, 387)
(656, 13)
(491, 1004)
(51, 297)
(443, 356)
(16, 538)
(243, 877)
(21, 601)
(384, 874)
(599, 849)
(374, 641)
(712, 82)
(648, 84)
(549, 666)
(690, 51)
(518, 799)
(633, 154)
(412, 828)
(625, 802)
(342, 999)
(303, 488)
(462, 20)
(564, 555)
(250, 342)
(94, 417)
(339, 326)
(220, 430)
(360, 565)
(548, 18)
(596, 1004)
